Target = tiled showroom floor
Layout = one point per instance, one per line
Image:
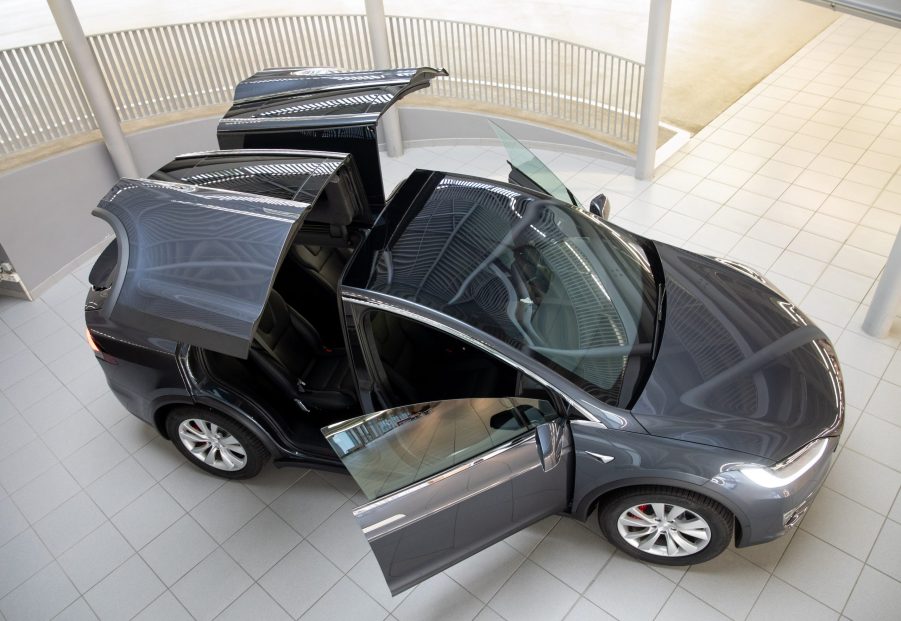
(100, 517)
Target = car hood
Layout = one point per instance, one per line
(739, 366)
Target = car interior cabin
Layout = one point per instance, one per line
(298, 369)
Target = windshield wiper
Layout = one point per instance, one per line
(658, 320)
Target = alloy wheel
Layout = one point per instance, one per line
(663, 529)
(212, 444)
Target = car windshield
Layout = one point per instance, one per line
(567, 289)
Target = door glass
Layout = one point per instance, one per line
(522, 159)
(389, 450)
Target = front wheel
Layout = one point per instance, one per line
(216, 443)
(665, 525)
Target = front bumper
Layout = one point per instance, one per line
(770, 512)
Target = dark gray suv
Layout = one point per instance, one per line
(476, 354)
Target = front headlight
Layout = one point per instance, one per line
(786, 471)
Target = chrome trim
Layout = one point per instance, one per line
(603, 458)
(385, 522)
(357, 297)
(297, 153)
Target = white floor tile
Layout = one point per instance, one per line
(780, 600)
(96, 556)
(684, 605)
(211, 586)
(818, 569)
(261, 543)
(532, 591)
(573, 553)
(42, 596)
(884, 556)
(149, 515)
(177, 550)
(630, 590)
(226, 510)
(829, 518)
(126, 591)
(584, 610)
(864, 480)
(438, 598)
(297, 596)
(876, 597)
(165, 607)
(21, 557)
(345, 600)
(729, 583)
(254, 603)
(69, 523)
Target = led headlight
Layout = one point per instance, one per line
(788, 470)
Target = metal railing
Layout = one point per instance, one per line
(166, 69)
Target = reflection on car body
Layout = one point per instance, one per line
(477, 354)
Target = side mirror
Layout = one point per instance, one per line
(550, 444)
(600, 206)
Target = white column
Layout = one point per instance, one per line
(652, 88)
(887, 299)
(94, 86)
(378, 40)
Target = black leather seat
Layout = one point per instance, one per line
(288, 349)
(323, 265)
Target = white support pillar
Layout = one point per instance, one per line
(95, 89)
(887, 298)
(378, 40)
(652, 88)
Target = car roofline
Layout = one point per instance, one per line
(585, 404)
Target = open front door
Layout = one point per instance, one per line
(449, 478)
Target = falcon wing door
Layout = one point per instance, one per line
(323, 109)
(195, 264)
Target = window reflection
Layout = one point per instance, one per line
(392, 449)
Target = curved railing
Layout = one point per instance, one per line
(175, 68)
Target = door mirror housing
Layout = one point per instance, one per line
(600, 206)
(549, 438)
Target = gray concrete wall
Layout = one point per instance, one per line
(46, 226)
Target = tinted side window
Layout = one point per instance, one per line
(392, 449)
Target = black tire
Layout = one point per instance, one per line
(255, 453)
(718, 519)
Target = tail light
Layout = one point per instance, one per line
(96, 348)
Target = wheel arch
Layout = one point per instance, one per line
(590, 501)
(259, 431)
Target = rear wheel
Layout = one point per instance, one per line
(216, 443)
(666, 525)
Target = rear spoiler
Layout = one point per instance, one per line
(322, 109)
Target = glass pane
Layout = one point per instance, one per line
(392, 449)
(572, 292)
(528, 164)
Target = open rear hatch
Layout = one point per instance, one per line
(320, 108)
(195, 263)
